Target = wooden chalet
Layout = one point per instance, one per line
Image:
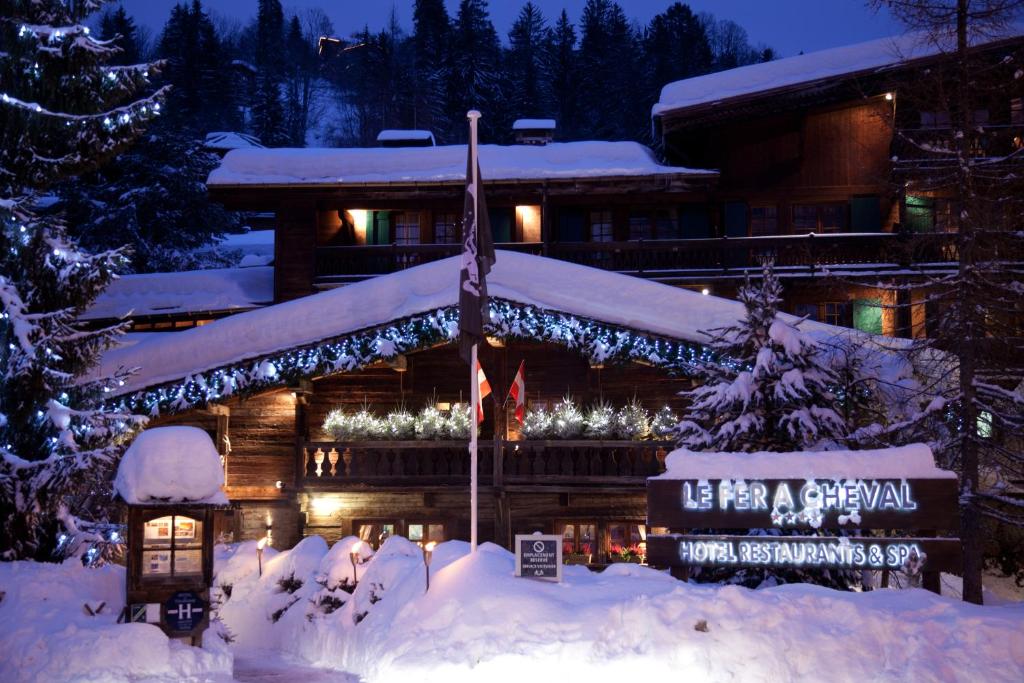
(262, 383)
(835, 146)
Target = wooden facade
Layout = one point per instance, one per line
(422, 487)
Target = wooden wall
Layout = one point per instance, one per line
(294, 250)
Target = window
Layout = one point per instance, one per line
(407, 228)
(655, 224)
(601, 226)
(867, 315)
(809, 311)
(626, 541)
(835, 313)
(446, 228)
(375, 532)
(172, 546)
(1017, 111)
(764, 220)
(935, 119)
(819, 218)
(422, 533)
(579, 539)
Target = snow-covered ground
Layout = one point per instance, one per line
(478, 622)
(47, 634)
(298, 622)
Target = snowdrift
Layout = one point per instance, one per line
(47, 635)
(478, 622)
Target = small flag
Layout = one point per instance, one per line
(518, 391)
(485, 391)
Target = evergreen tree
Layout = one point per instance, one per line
(562, 69)
(300, 73)
(769, 389)
(432, 32)
(203, 97)
(611, 82)
(528, 94)
(269, 120)
(677, 47)
(474, 80)
(63, 111)
(154, 198)
(120, 28)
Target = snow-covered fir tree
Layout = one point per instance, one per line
(63, 110)
(769, 389)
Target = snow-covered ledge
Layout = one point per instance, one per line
(171, 465)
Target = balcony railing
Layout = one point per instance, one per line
(930, 146)
(329, 464)
(672, 260)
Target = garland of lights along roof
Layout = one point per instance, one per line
(600, 342)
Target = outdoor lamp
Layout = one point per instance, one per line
(428, 550)
(354, 556)
(259, 552)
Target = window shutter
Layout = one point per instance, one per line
(865, 214)
(695, 222)
(736, 219)
(570, 225)
(920, 213)
(867, 315)
(501, 224)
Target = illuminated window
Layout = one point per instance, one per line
(579, 539)
(626, 541)
(601, 226)
(375, 532)
(172, 546)
(425, 532)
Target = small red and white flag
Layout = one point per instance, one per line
(518, 391)
(485, 391)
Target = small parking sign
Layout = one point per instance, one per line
(539, 556)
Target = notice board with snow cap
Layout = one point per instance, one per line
(171, 480)
(894, 504)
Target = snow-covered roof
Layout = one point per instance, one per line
(534, 124)
(196, 291)
(859, 59)
(384, 165)
(400, 134)
(171, 465)
(611, 298)
(225, 140)
(906, 462)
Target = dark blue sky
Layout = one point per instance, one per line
(787, 25)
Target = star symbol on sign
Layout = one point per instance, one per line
(776, 518)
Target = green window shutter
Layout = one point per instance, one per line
(867, 315)
(865, 214)
(695, 222)
(501, 224)
(570, 225)
(379, 230)
(920, 213)
(736, 219)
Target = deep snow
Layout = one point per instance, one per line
(171, 465)
(478, 622)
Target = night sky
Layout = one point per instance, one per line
(790, 26)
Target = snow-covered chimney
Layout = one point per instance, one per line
(534, 131)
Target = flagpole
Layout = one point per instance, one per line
(474, 383)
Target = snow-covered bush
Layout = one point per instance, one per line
(459, 421)
(536, 424)
(431, 424)
(401, 425)
(632, 421)
(600, 421)
(360, 426)
(566, 420)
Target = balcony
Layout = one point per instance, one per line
(916, 149)
(329, 465)
(675, 261)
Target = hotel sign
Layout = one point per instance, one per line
(802, 503)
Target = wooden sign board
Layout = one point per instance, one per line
(924, 504)
(803, 552)
(539, 556)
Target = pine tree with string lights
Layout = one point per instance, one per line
(63, 110)
(769, 390)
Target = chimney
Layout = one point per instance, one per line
(534, 131)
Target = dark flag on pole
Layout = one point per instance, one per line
(477, 259)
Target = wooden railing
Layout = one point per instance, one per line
(912, 146)
(671, 259)
(402, 463)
